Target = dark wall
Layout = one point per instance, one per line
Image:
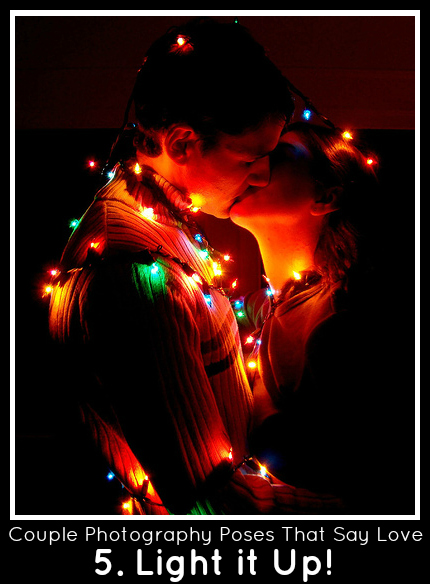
(77, 72)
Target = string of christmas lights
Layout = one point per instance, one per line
(131, 503)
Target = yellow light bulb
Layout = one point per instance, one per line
(297, 276)
(217, 269)
(127, 506)
(148, 212)
(197, 278)
(252, 364)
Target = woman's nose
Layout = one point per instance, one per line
(260, 172)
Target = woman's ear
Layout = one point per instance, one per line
(328, 202)
(179, 143)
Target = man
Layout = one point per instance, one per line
(138, 295)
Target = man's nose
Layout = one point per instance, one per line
(260, 172)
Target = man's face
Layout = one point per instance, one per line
(217, 177)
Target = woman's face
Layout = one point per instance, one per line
(291, 192)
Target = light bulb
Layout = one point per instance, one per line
(127, 505)
(217, 269)
(197, 278)
(148, 212)
(263, 471)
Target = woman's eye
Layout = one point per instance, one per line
(278, 155)
(282, 153)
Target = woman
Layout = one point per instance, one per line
(320, 399)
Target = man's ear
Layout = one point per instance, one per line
(328, 201)
(179, 143)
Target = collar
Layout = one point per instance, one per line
(148, 192)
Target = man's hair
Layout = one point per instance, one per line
(212, 76)
(337, 162)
